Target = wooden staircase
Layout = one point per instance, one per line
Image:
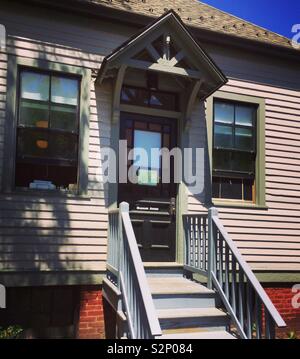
(186, 309)
(156, 301)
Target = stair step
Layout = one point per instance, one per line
(210, 318)
(168, 269)
(221, 334)
(176, 285)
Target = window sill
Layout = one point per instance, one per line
(238, 204)
(48, 193)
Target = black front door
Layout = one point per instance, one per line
(152, 202)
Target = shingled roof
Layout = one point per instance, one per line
(200, 15)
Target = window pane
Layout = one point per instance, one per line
(34, 86)
(231, 188)
(244, 139)
(224, 112)
(33, 143)
(248, 193)
(243, 162)
(33, 113)
(222, 160)
(60, 176)
(215, 187)
(64, 117)
(244, 115)
(134, 96)
(163, 100)
(63, 146)
(64, 90)
(223, 136)
(41, 144)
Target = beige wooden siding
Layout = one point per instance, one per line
(270, 239)
(54, 233)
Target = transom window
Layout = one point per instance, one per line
(47, 131)
(234, 150)
(149, 98)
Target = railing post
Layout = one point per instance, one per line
(211, 245)
(123, 207)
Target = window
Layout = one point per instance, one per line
(149, 98)
(234, 150)
(47, 131)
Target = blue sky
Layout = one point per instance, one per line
(275, 15)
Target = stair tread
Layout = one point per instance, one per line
(222, 334)
(176, 285)
(190, 313)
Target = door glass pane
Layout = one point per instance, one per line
(244, 139)
(64, 90)
(64, 117)
(224, 112)
(34, 86)
(223, 136)
(148, 164)
(244, 115)
(33, 113)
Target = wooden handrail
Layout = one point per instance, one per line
(249, 273)
(210, 251)
(129, 274)
(142, 282)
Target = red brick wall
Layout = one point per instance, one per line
(91, 319)
(281, 296)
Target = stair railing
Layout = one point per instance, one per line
(211, 252)
(126, 270)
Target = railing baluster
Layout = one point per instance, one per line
(189, 241)
(233, 284)
(270, 326)
(258, 317)
(227, 272)
(204, 234)
(194, 243)
(241, 297)
(200, 243)
(220, 241)
(249, 310)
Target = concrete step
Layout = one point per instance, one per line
(209, 318)
(220, 334)
(166, 269)
(178, 292)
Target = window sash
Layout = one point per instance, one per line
(234, 127)
(50, 104)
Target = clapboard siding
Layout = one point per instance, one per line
(270, 238)
(59, 233)
(70, 233)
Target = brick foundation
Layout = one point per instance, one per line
(91, 319)
(281, 296)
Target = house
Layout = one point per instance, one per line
(84, 252)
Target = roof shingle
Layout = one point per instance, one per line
(198, 14)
